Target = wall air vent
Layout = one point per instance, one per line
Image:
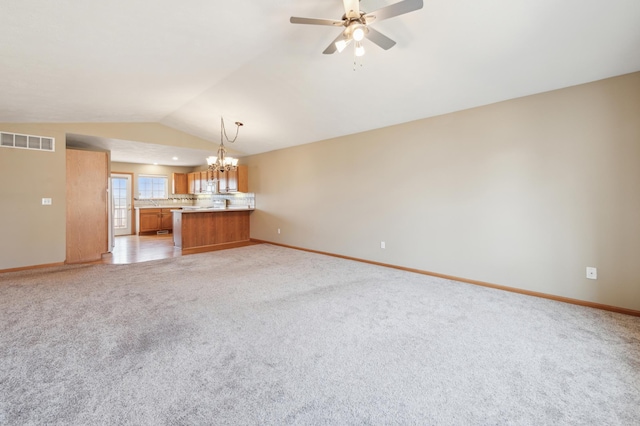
(16, 140)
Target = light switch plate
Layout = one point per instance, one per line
(46, 201)
(592, 273)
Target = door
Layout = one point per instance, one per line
(121, 202)
(87, 213)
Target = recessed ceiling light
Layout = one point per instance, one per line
(174, 158)
(155, 164)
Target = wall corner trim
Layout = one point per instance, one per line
(28, 268)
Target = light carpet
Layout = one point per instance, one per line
(269, 335)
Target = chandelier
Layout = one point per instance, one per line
(222, 163)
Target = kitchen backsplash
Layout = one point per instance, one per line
(237, 200)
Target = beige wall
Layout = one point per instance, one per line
(33, 234)
(525, 193)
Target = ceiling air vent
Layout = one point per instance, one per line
(16, 140)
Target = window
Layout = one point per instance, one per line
(151, 187)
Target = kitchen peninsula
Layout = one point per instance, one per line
(205, 229)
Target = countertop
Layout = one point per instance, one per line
(213, 210)
(168, 206)
(195, 209)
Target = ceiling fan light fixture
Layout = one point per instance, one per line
(342, 44)
(356, 24)
(358, 32)
(359, 49)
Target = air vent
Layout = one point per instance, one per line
(16, 140)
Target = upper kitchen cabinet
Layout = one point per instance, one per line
(243, 178)
(193, 183)
(180, 183)
(229, 181)
(204, 182)
(234, 180)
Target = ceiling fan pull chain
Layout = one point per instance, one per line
(355, 60)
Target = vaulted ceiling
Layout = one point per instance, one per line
(187, 63)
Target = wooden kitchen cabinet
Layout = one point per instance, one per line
(166, 219)
(197, 182)
(243, 179)
(154, 220)
(193, 182)
(149, 220)
(212, 175)
(229, 181)
(234, 180)
(180, 183)
(200, 231)
(204, 181)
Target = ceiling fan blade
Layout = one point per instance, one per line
(380, 39)
(313, 21)
(333, 47)
(392, 10)
(351, 8)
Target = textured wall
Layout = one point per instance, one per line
(524, 193)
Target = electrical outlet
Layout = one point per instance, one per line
(382, 244)
(46, 201)
(592, 273)
(278, 230)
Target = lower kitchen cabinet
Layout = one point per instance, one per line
(154, 220)
(166, 220)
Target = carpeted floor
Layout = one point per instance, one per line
(269, 335)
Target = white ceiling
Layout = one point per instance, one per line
(187, 63)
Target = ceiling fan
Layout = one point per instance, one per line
(356, 23)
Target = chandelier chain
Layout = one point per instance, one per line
(222, 163)
(223, 131)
